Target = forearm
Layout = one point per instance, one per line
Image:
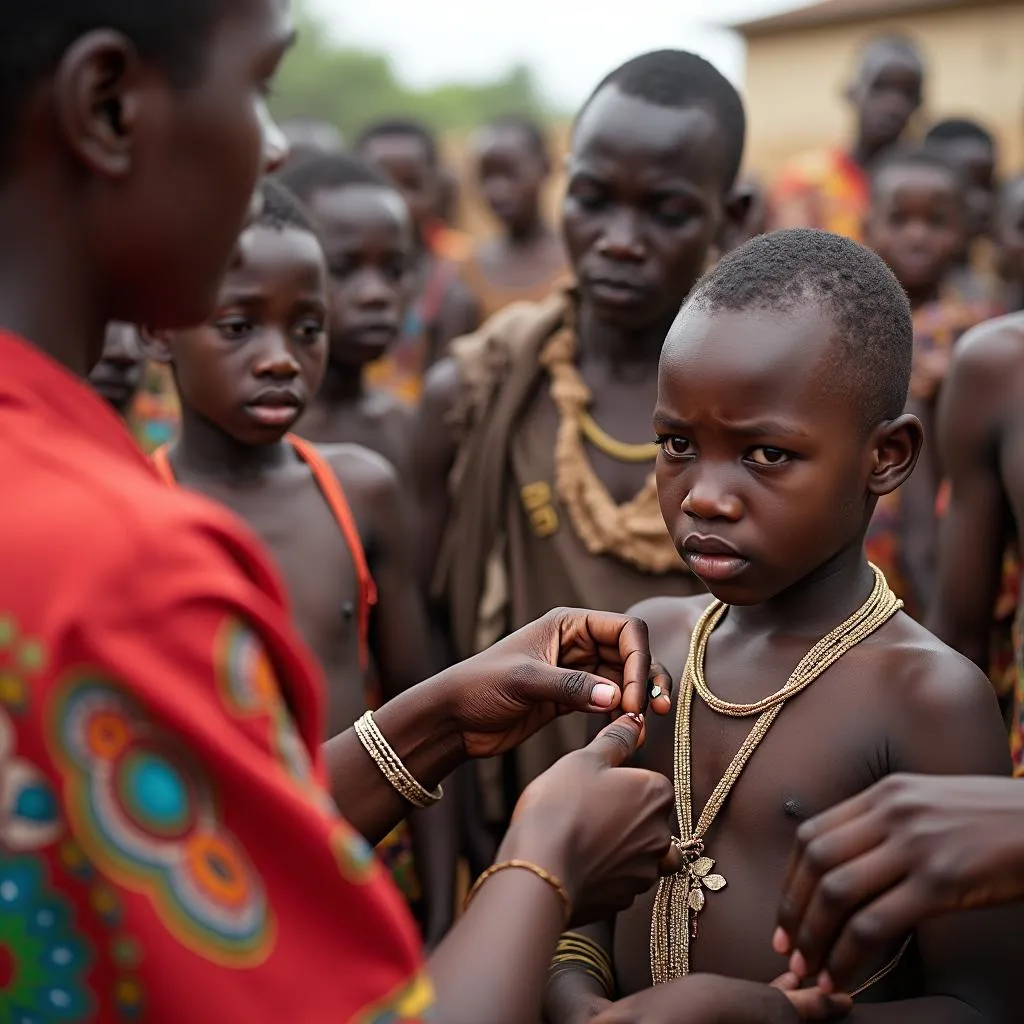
(573, 994)
(493, 965)
(930, 1010)
(420, 730)
(435, 834)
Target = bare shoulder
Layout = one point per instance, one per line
(365, 475)
(442, 386)
(940, 708)
(985, 354)
(384, 408)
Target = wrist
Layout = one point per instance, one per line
(420, 726)
(527, 840)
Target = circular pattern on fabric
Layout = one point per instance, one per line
(244, 670)
(144, 812)
(356, 859)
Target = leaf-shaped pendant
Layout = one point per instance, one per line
(714, 882)
(696, 899)
(702, 866)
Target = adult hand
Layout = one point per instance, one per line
(603, 830)
(867, 872)
(709, 999)
(569, 660)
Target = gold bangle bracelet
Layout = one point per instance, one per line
(576, 952)
(525, 865)
(390, 765)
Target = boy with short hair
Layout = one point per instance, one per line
(333, 517)
(917, 224)
(780, 421)
(522, 263)
(368, 238)
(442, 307)
(830, 189)
(118, 374)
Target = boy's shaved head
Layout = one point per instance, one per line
(34, 35)
(330, 171)
(852, 286)
(677, 79)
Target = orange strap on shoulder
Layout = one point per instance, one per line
(162, 464)
(338, 504)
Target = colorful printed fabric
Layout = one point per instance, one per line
(168, 851)
(937, 328)
(825, 190)
(156, 411)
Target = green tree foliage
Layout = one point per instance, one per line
(350, 88)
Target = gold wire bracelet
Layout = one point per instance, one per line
(525, 865)
(576, 952)
(390, 765)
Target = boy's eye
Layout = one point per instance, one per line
(234, 328)
(675, 447)
(310, 330)
(768, 456)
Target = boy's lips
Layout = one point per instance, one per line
(275, 407)
(711, 558)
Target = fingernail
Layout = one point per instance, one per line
(639, 719)
(798, 965)
(603, 695)
(825, 983)
(780, 941)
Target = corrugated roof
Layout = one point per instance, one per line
(830, 12)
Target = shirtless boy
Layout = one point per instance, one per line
(780, 419)
(245, 377)
(536, 462)
(367, 234)
(525, 259)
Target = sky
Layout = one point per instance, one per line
(570, 45)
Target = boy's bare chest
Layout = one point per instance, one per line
(823, 748)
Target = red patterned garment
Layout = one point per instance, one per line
(168, 851)
(826, 189)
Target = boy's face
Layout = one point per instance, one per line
(764, 462)
(916, 224)
(404, 159)
(976, 162)
(166, 236)
(117, 377)
(886, 95)
(252, 369)
(645, 202)
(511, 174)
(368, 238)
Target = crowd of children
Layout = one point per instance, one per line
(441, 439)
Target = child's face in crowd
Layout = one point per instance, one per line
(1010, 233)
(404, 159)
(886, 95)
(645, 202)
(511, 174)
(252, 369)
(976, 163)
(368, 238)
(763, 468)
(117, 377)
(916, 224)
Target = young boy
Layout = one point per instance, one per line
(830, 189)
(780, 421)
(442, 307)
(368, 237)
(524, 261)
(917, 224)
(535, 463)
(117, 377)
(332, 517)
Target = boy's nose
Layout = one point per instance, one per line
(707, 499)
(277, 360)
(622, 239)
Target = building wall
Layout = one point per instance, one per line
(795, 81)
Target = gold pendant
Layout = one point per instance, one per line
(700, 878)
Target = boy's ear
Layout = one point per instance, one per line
(896, 447)
(156, 345)
(738, 205)
(98, 92)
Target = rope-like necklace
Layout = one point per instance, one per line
(681, 896)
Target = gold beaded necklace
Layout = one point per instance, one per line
(681, 896)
